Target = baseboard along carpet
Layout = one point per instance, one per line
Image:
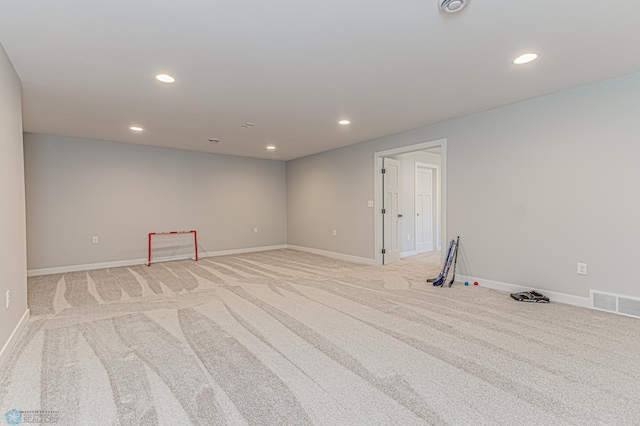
(291, 338)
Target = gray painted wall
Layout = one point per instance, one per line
(13, 275)
(330, 191)
(533, 188)
(78, 188)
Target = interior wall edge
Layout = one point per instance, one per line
(13, 338)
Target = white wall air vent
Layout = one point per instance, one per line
(606, 302)
(615, 303)
(453, 6)
(629, 306)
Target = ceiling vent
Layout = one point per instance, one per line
(453, 6)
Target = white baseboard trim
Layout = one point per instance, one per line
(117, 264)
(85, 267)
(408, 253)
(245, 250)
(334, 255)
(569, 299)
(17, 332)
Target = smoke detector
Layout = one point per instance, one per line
(453, 6)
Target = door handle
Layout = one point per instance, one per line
(399, 215)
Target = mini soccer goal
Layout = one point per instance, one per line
(172, 243)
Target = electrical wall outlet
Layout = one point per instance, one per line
(255, 230)
(369, 203)
(582, 269)
(8, 299)
(408, 237)
(94, 240)
(335, 232)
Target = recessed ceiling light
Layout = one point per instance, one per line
(344, 122)
(214, 140)
(165, 78)
(453, 6)
(136, 128)
(525, 59)
(271, 147)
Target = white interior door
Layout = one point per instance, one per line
(391, 193)
(424, 209)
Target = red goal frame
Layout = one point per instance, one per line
(195, 241)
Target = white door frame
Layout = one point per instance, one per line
(377, 196)
(435, 199)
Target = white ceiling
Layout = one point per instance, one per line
(295, 67)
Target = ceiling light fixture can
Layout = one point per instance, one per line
(344, 122)
(525, 59)
(453, 6)
(136, 128)
(271, 147)
(165, 78)
(214, 140)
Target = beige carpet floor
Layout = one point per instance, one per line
(291, 338)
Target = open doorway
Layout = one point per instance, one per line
(418, 190)
(426, 197)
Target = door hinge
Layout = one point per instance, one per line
(384, 211)
(384, 251)
(384, 171)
